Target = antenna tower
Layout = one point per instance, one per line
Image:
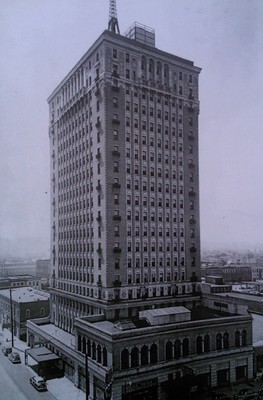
(113, 20)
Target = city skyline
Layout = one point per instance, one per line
(40, 48)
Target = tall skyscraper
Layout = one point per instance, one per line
(125, 187)
(125, 230)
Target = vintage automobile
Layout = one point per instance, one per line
(15, 358)
(6, 350)
(38, 382)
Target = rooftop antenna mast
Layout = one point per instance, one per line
(113, 20)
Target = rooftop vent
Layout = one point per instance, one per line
(124, 325)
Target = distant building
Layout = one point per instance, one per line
(19, 281)
(230, 273)
(27, 303)
(43, 269)
(215, 284)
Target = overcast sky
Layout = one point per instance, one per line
(41, 40)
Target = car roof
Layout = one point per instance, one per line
(38, 378)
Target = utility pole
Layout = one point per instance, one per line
(87, 375)
(11, 316)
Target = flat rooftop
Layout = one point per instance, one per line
(242, 295)
(24, 295)
(111, 327)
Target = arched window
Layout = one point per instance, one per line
(244, 338)
(153, 354)
(226, 340)
(79, 342)
(99, 353)
(135, 357)
(207, 343)
(185, 347)
(88, 348)
(83, 345)
(125, 359)
(237, 339)
(199, 345)
(177, 348)
(93, 351)
(219, 341)
(105, 357)
(169, 351)
(144, 355)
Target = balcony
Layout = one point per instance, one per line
(115, 88)
(99, 283)
(98, 124)
(191, 136)
(193, 249)
(116, 185)
(116, 283)
(98, 218)
(191, 164)
(99, 250)
(98, 155)
(116, 250)
(116, 153)
(192, 221)
(98, 187)
(116, 121)
(116, 218)
(191, 109)
(192, 193)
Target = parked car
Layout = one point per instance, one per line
(6, 350)
(245, 391)
(251, 396)
(15, 358)
(38, 382)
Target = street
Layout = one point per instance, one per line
(14, 382)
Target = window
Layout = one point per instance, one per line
(116, 166)
(115, 102)
(124, 359)
(115, 134)
(114, 53)
(116, 198)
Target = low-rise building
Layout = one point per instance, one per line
(163, 351)
(19, 281)
(26, 303)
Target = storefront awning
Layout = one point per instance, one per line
(41, 354)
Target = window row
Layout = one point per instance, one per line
(180, 348)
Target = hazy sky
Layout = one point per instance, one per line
(40, 42)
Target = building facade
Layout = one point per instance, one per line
(124, 179)
(26, 303)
